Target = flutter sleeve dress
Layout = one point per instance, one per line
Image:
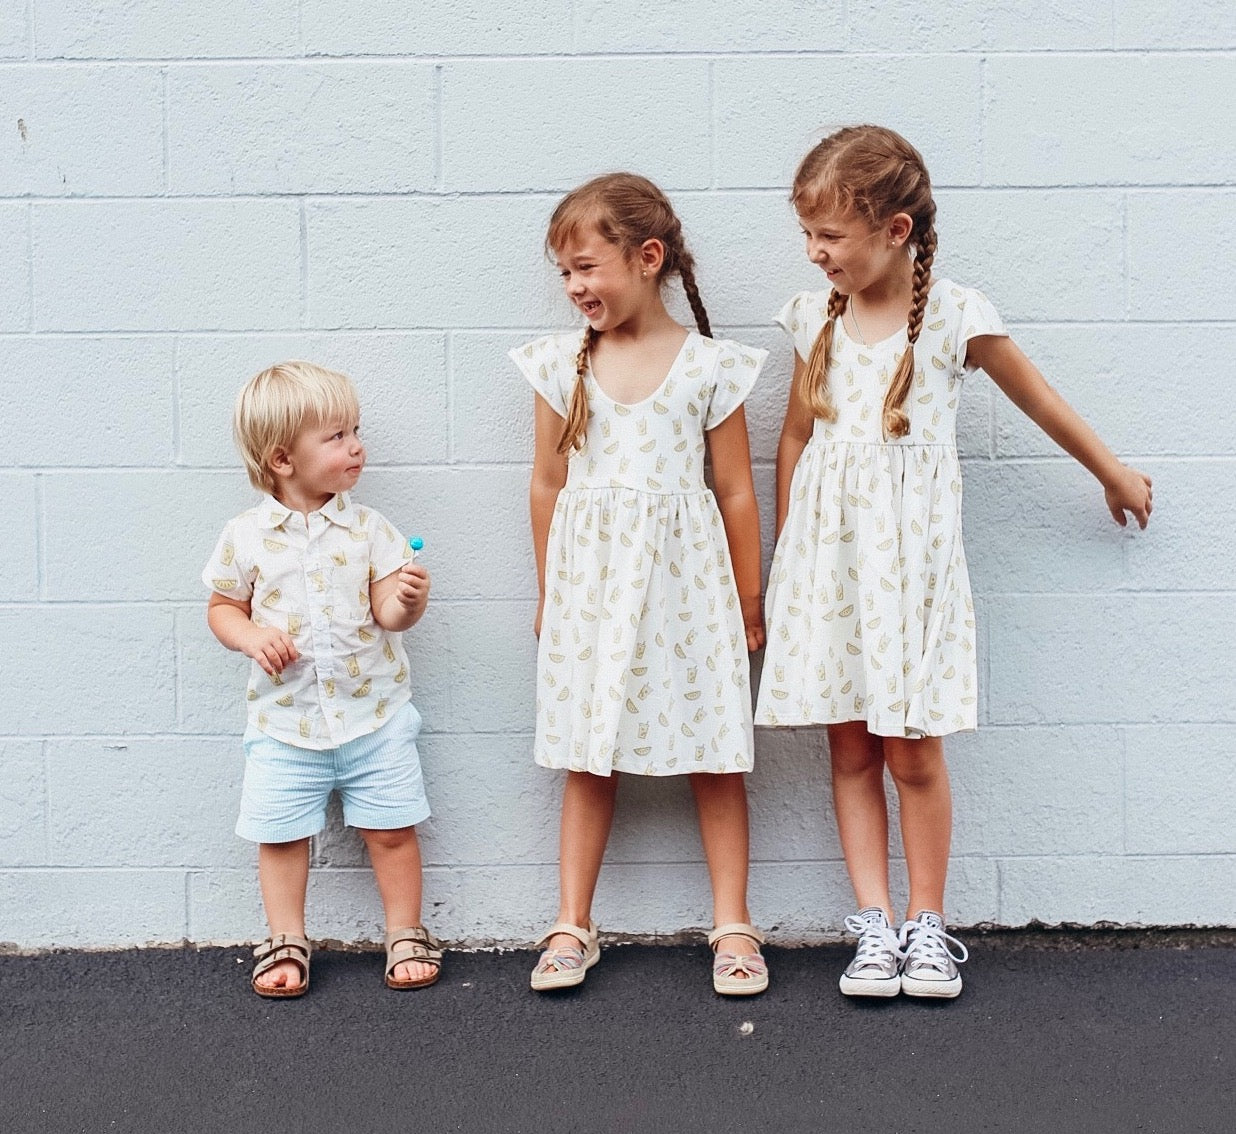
(869, 611)
(642, 664)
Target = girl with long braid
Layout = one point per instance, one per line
(871, 624)
(650, 580)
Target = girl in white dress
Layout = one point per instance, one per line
(649, 582)
(871, 625)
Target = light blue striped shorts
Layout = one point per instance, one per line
(378, 777)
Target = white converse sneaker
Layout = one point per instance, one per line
(874, 970)
(930, 966)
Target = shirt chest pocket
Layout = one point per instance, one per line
(347, 571)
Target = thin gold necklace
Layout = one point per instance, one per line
(854, 319)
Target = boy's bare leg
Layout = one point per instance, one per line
(396, 858)
(283, 872)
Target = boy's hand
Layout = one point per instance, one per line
(272, 649)
(1129, 490)
(753, 620)
(412, 588)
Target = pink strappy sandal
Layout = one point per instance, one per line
(566, 966)
(738, 974)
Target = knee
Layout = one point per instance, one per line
(390, 840)
(855, 760)
(915, 766)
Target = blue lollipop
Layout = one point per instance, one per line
(416, 544)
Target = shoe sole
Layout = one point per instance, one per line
(861, 986)
(747, 986)
(931, 989)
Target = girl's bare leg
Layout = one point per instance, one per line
(587, 816)
(921, 778)
(862, 811)
(721, 803)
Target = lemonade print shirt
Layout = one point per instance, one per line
(868, 609)
(310, 576)
(642, 663)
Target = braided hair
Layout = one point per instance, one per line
(625, 209)
(875, 173)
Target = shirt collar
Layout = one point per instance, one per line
(339, 510)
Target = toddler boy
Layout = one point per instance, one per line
(317, 590)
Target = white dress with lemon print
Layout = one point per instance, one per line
(642, 664)
(869, 611)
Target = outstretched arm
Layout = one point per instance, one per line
(730, 450)
(1125, 489)
(549, 474)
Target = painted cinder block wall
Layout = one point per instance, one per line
(190, 192)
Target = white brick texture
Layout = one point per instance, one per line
(189, 193)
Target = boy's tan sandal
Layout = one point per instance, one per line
(282, 947)
(727, 966)
(412, 944)
(566, 966)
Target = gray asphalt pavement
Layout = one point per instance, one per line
(1053, 1033)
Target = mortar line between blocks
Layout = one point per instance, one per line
(30, 269)
(1125, 251)
(178, 700)
(982, 119)
(304, 264)
(176, 439)
(448, 364)
(40, 539)
(439, 141)
(1124, 789)
(188, 909)
(712, 124)
(46, 753)
(30, 37)
(167, 146)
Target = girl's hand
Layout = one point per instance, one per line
(272, 649)
(412, 588)
(753, 620)
(1129, 491)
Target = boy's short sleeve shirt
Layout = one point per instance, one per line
(309, 576)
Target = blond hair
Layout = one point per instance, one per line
(275, 405)
(874, 173)
(624, 209)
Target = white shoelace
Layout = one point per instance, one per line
(878, 945)
(927, 946)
